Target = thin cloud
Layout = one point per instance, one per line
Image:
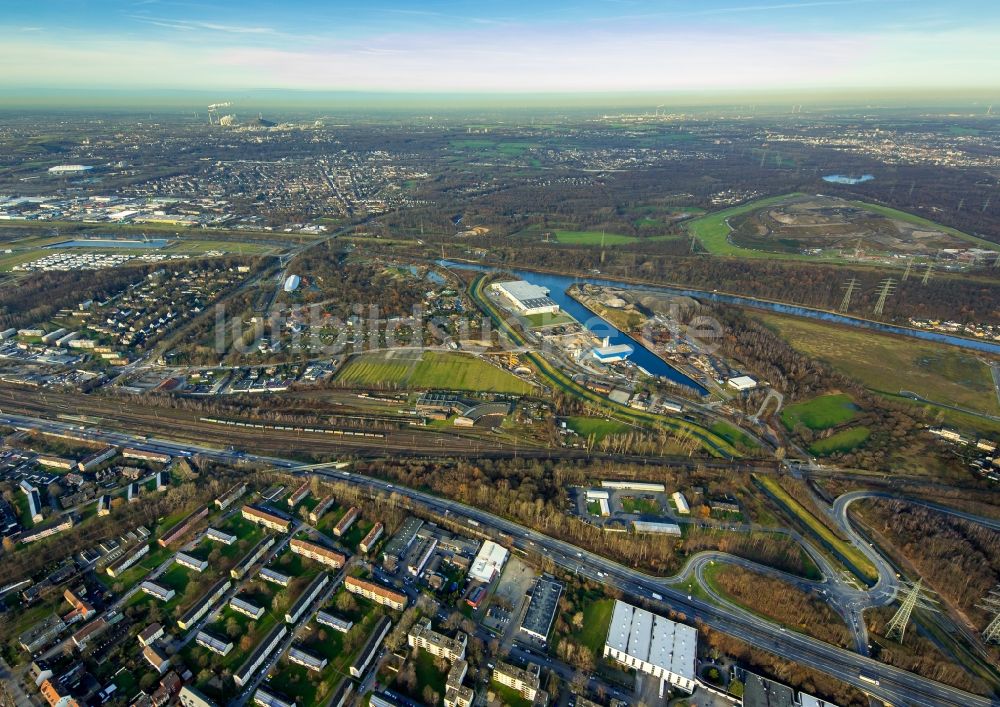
(734, 9)
(196, 25)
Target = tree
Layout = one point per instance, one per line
(431, 697)
(346, 602)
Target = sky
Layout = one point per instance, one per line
(546, 46)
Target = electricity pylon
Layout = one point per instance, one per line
(848, 288)
(885, 289)
(991, 605)
(927, 273)
(906, 273)
(913, 598)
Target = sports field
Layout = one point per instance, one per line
(821, 412)
(888, 364)
(429, 370)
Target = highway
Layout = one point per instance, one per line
(895, 686)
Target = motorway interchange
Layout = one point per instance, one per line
(893, 686)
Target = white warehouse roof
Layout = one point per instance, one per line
(742, 383)
(653, 639)
(527, 295)
(488, 562)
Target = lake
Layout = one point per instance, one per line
(844, 179)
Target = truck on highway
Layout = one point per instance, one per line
(658, 597)
(868, 678)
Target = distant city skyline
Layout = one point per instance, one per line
(518, 46)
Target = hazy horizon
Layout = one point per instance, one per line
(965, 101)
(519, 48)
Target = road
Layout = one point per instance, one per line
(11, 682)
(967, 411)
(897, 687)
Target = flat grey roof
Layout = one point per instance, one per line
(542, 607)
(760, 692)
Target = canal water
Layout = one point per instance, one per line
(558, 284)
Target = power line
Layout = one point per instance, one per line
(885, 289)
(849, 287)
(927, 273)
(913, 598)
(991, 605)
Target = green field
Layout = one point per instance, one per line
(888, 364)
(508, 696)
(733, 435)
(596, 619)
(508, 148)
(841, 441)
(820, 413)
(429, 370)
(9, 260)
(427, 674)
(641, 505)
(548, 319)
(593, 238)
(596, 426)
(196, 246)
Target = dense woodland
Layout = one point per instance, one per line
(958, 558)
(783, 602)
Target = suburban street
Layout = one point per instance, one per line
(895, 686)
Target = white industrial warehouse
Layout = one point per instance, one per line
(654, 645)
(489, 562)
(526, 298)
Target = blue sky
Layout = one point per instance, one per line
(512, 45)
